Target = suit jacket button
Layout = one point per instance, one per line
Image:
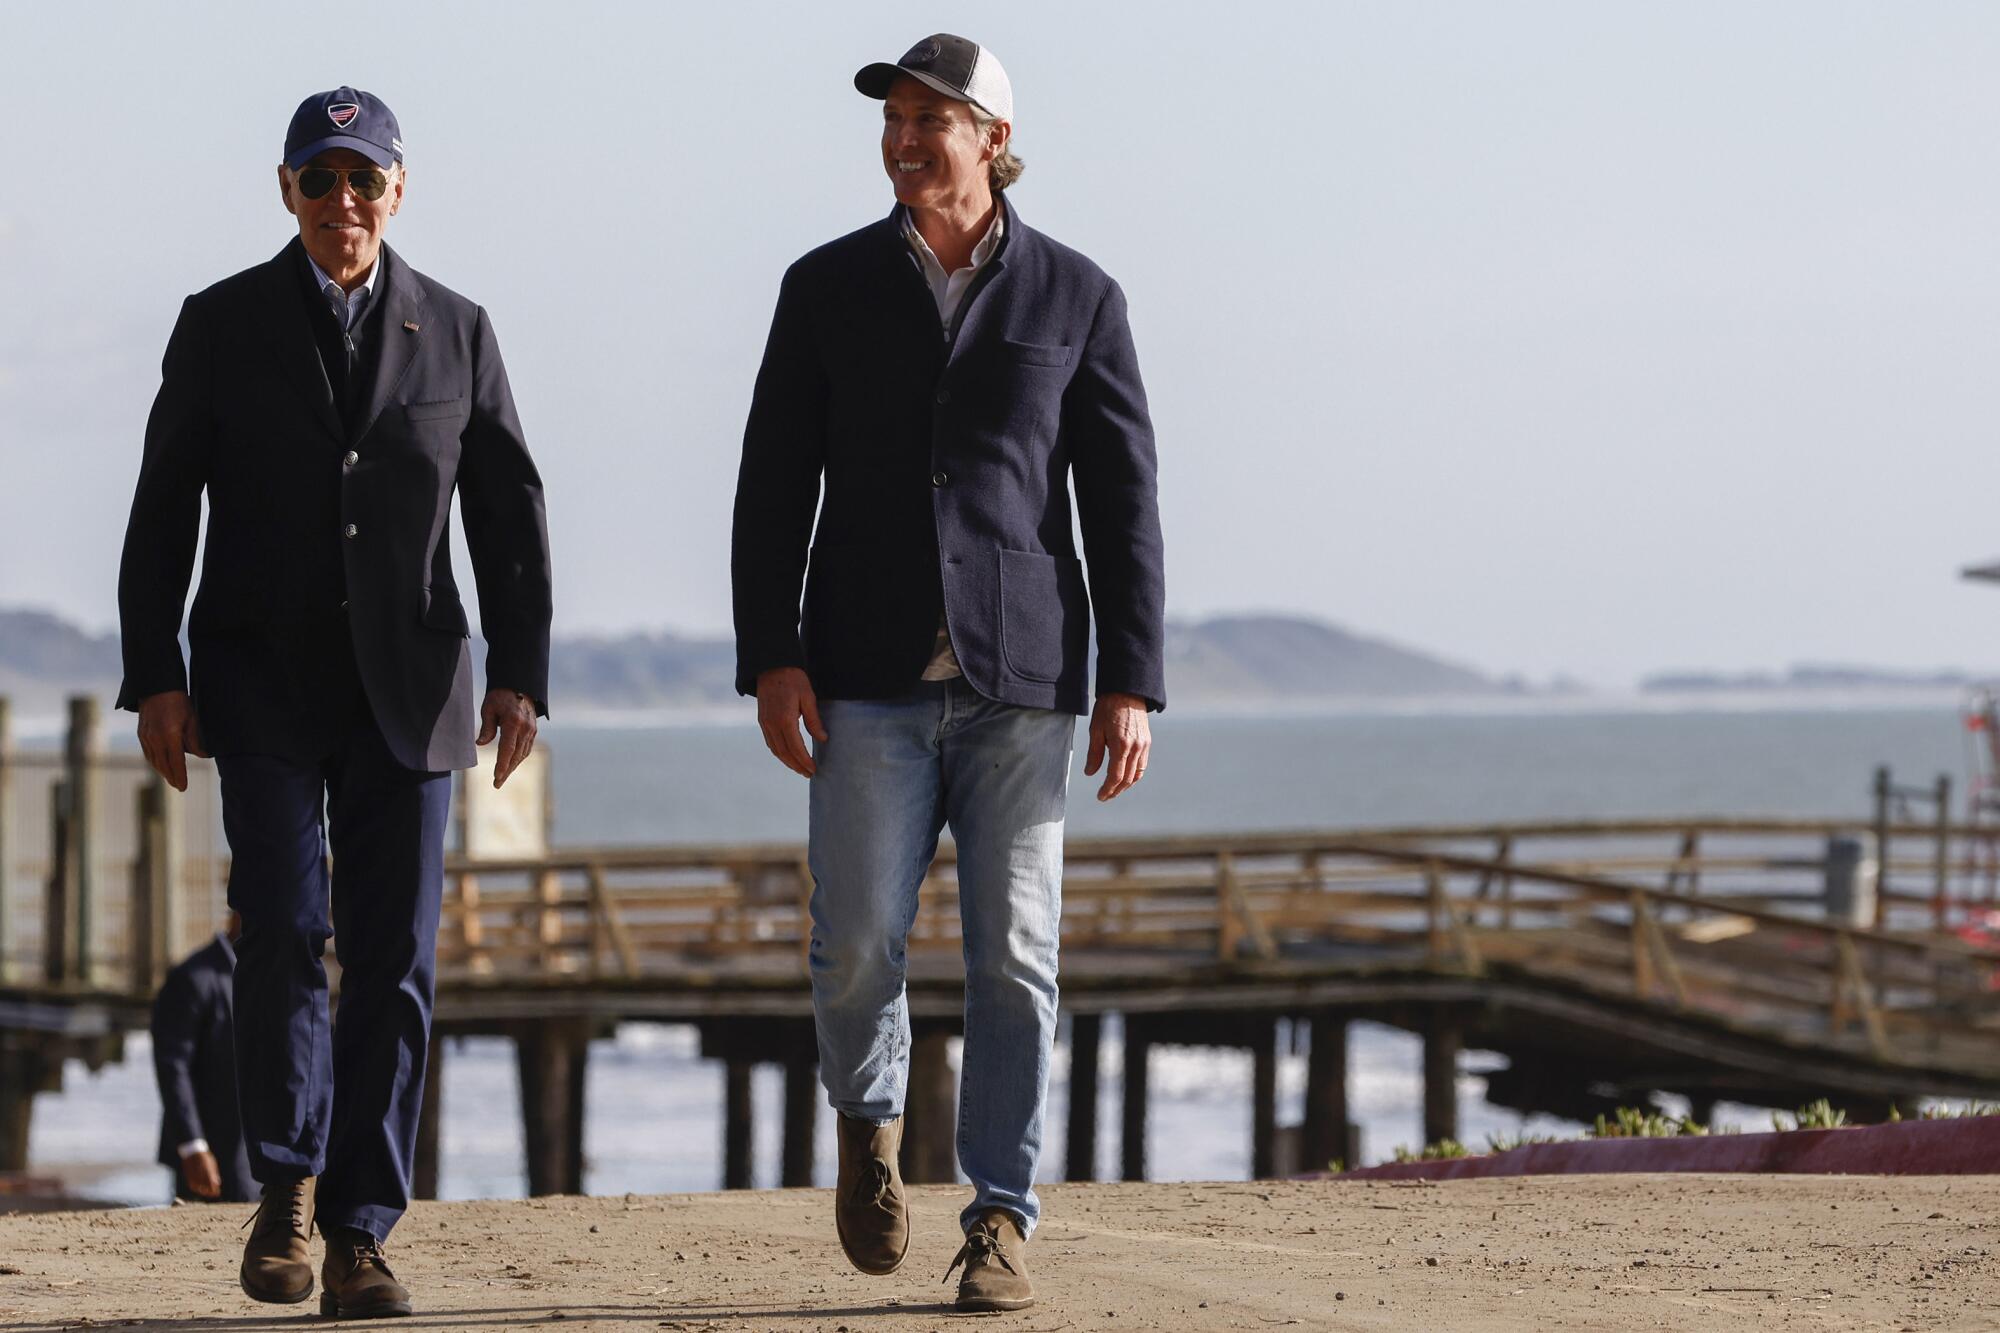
(944, 396)
(350, 530)
(352, 458)
(939, 478)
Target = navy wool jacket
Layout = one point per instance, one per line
(194, 1061)
(947, 466)
(329, 523)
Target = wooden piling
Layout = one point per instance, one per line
(81, 748)
(737, 1124)
(802, 1098)
(6, 852)
(1080, 1150)
(930, 1112)
(425, 1169)
(1441, 1046)
(1132, 1132)
(1326, 1131)
(1264, 1098)
(22, 1075)
(553, 1054)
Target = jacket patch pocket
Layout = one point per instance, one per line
(1044, 613)
(443, 611)
(446, 407)
(1034, 354)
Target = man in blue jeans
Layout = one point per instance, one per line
(948, 375)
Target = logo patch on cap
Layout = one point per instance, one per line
(342, 114)
(923, 53)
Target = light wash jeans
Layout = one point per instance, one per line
(891, 775)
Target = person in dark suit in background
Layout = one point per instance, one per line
(194, 1061)
(947, 374)
(329, 403)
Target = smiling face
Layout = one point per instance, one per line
(341, 230)
(933, 149)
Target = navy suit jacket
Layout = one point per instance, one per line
(947, 467)
(329, 535)
(195, 1063)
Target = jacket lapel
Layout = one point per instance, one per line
(291, 340)
(395, 344)
(975, 303)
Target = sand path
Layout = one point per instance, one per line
(1608, 1252)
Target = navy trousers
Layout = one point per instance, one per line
(335, 1098)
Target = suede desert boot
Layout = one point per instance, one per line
(276, 1265)
(869, 1207)
(356, 1280)
(996, 1265)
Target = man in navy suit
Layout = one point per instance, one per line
(194, 1061)
(329, 403)
(947, 375)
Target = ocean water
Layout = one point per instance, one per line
(654, 1121)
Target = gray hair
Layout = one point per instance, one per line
(1005, 168)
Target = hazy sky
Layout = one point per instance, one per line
(1552, 337)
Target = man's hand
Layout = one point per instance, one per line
(203, 1176)
(511, 715)
(784, 696)
(1118, 727)
(168, 732)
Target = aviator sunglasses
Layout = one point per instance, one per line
(368, 183)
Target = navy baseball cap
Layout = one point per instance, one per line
(343, 118)
(955, 66)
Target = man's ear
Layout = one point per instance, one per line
(998, 134)
(396, 190)
(285, 190)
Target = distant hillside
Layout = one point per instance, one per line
(1267, 659)
(1803, 677)
(1242, 659)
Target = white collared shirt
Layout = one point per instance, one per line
(948, 290)
(348, 305)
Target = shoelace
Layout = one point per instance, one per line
(874, 1183)
(980, 1246)
(297, 1209)
(369, 1251)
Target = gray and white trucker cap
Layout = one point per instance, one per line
(953, 66)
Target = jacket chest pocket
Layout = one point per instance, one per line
(449, 411)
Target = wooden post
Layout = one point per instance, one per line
(1326, 1128)
(1441, 1046)
(22, 1075)
(1132, 1138)
(1504, 854)
(1264, 1098)
(930, 1112)
(801, 1115)
(1943, 868)
(425, 1169)
(736, 1125)
(6, 851)
(1080, 1151)
(58, 920)
(553, 1054)
(1884, 796)
(152, 935)
(81, 749)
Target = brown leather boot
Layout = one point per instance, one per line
(996, 1265)
(276, 1264)
(869, 1208)
(356, 1278)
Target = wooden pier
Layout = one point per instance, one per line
(1758, 961)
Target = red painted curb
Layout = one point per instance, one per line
(1969, 1146)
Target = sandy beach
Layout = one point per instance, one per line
(1674, 1252)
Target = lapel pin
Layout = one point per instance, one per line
(411, 325)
